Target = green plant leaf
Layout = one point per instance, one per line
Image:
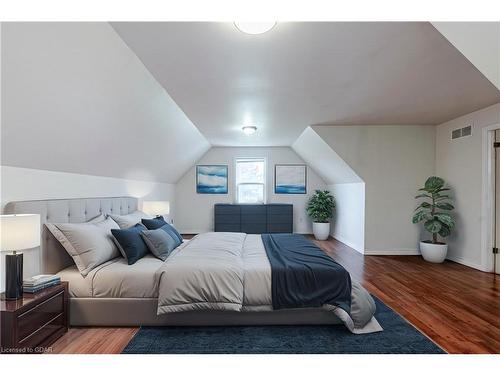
(446, 219)
(423, 196)
(442, 198)
(433, 225)
(423, 205)
(444, 206)
(434, 183)
(321, 205)
(419, 216)
(445, 231)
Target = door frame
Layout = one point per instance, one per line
(488, 197)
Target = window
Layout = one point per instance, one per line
(250, 180)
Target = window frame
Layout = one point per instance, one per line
(236, 184)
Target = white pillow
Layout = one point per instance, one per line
(89, 244)
(128, 221)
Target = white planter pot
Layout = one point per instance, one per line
(435, 253)
(321, 231)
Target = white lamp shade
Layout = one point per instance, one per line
(19, 232)
(155, 208)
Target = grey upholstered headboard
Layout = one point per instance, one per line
(53, 256)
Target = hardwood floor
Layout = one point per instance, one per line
(455, 306)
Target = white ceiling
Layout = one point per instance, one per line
(301, 74)
(76, 99)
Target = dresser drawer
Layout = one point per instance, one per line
(227, 219)
(280, 209)
(40, 315)
(228, 227)
(226, 209)
(40, 335)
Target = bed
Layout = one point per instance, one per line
(118, 294)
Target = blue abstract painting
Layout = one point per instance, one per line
(211, 179)
(290, 179)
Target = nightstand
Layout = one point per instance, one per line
(32, 323)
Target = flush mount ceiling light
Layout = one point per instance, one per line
(249, 130)
(254, 28)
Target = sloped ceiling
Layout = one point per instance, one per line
(302, 74)
(76, 99)
(479, 42)
(323, 159)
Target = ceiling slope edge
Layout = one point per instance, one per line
(323, 159)
(479, 42)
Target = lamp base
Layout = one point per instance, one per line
(13, 276)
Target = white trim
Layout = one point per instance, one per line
(393, 252)
(465, 262)
(488, 194)
(352, 245)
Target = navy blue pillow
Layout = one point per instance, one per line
(159, 222)
(130, 242)
(155, 223)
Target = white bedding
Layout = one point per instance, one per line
(231, 271)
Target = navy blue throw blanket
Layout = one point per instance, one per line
(302, 275)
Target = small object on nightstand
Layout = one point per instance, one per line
(35, 321)
(39, 282)
(18, 232)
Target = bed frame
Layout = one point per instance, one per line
(135, 311)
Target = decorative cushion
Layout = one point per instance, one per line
(159, 242)
(89, 244)
(130, 242)
(159, 222)
(128, 221)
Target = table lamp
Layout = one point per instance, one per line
(18, 232)
(156, 208)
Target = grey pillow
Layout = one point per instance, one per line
(128, 221)
(97, 219)
(159, 242)
(89, 244)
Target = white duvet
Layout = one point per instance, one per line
(231, 271)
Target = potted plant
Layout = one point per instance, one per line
(320, 209)
(434, 212)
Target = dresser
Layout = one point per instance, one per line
(253, 218)
(33, 322)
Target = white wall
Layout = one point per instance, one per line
(323, 159)
(459, 162)
(393, 161)
(30, 184)
(348, 225)
(26, 184)
(194, 212)
(479, 42)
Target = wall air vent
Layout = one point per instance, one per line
(462, 132)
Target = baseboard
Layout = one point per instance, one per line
(393, 252)
(464, 262)
(352, 245)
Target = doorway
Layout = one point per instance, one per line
(496, 226)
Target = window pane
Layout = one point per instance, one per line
(251, 193)
(249, 171)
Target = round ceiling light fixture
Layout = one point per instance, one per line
(254, 28)
(249, 130)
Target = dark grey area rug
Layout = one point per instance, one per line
(398, 337)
